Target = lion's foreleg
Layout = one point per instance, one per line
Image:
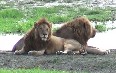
(19, 52)
(74, 48)
(68, 49)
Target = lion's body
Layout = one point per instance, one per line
(55, 44)
(39, 38)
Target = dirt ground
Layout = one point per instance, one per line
(89, 63)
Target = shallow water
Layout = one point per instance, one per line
(105, 41)
(7, 41)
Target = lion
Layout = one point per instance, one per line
(79, 29)
(39, 40)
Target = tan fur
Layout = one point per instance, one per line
(37, 43)
(35, 40)
(74, 46)
(59, 44)
(78, 29)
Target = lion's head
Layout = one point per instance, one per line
(85, 28)
(42, 29)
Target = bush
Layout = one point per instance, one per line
(101, 27)
(11, 13)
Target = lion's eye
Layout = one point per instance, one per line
(47, 29)
(36, 27)
(39, 27)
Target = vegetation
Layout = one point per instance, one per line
(101, 27)
(17, 20)
(67, 1)
(35, 70)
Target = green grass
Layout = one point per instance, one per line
(55, 14)
(30, 71)
(36, 70)
(19, 21)
(11, 13)
(101, 27)
(96, 14)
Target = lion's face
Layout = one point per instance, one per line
(43, 31)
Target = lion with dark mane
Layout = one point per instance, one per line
(39, 40)
(79, 29)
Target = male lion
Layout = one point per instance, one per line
(39, 40)
(78, 29)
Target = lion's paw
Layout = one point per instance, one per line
(65, 53)
(17, 52)
(59, 52)
(107, 52)
(84, 53)
(35, 53)
(31, 53)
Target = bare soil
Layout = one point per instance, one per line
(88, 63)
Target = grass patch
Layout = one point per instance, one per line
(101, 27)
(57, 14)
(96, 14)
(35, 70)
(19, 21)
(11, 13)
(14, 26)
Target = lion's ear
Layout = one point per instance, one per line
(35, 24)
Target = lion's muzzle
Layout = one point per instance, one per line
(44, 37)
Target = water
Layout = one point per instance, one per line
(105, 40)
(7, 41)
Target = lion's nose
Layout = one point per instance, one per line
(44, 34)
